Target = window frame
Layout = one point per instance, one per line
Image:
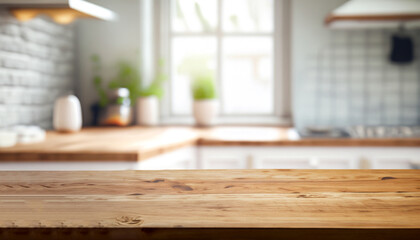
(281, 65)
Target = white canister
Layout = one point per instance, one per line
(147, 111)
(8, 138)
(67, 114)
(205, 112)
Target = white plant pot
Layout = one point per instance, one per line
(206, 111)
(147, 109)
(67, 114)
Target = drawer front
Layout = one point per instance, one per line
(185, 158)
(391, 163)
(277, 162)
(335, 163)
(224, 162)
(223, 157)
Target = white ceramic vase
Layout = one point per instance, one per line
(147, 110)
(67, 114)
(205, 112)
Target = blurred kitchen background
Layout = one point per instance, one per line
(325, 68)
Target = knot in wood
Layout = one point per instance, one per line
(129, 220)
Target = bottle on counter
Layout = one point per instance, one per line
(118, 112)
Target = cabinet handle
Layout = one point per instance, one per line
(250, 162)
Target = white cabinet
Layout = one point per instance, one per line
(307, 157)
(303, 158)
(393, 158)
(391, 163)
(184, 158)
(282, 162)
(223, 158)
(336, 162)
(249, 157)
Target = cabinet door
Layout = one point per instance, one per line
(282, 162)
(391, 163)
(393, 157)
(335, 163)
(184, 158)
(223, 157)
(282, 158)
(304, 158)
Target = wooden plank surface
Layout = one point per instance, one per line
(307, 199)
(138, 143)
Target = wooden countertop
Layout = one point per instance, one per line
(338, 204)
(138, 143)
(103, 144)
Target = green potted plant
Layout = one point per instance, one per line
(98, 107)
(205, 108)
(148, 100)
(114, 105)
(122, 93)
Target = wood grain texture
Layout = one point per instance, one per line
(139, 143)
(379, 17)
(279, 199)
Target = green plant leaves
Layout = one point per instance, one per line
(156, 86)
(97, 81)
(128, 76)
(203, 87)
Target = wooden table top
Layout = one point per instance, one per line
(213, 199)
(138, 143)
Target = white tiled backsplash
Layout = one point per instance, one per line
(350, 81)
(36, 66)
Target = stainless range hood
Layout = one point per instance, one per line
(375, 13)
(61, 11)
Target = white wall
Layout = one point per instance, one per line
(36, 67)
(344, 77)
(112, 41)
(309, 34)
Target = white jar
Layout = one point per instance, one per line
(147, 110)
(67, 114)
(8, 138)
(205, 112)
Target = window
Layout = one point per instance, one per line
(237, 42)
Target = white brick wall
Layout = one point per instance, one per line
(36, 66)
(350, 81)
